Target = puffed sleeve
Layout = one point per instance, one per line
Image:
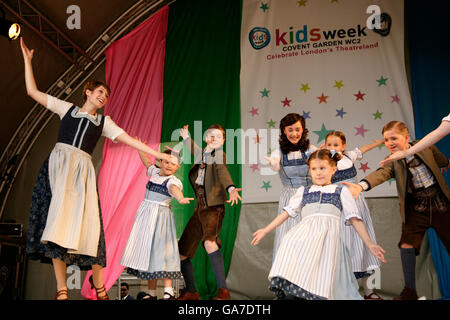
(354, 155)
(151, 170)
(111, 130)
(174, 181)
(349, 207)
(447, 118)
(60, 107)
(293, 207)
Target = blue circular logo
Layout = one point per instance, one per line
(259, 38)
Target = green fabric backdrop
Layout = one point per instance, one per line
(201, 83)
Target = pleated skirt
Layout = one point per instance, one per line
(313, 263)
(151, 251)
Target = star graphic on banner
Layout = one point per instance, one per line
(382, 81)
(305, 87)
(361, 131)
(255, 167)
(395, 99)
(391, 180)
(286, 102)
(254, 111)
(266, 185)
(364, 167)
(306, 115)
(322, 98)
(264, 6)
(340, 113)
(359, 95)
(257, 139)
(264, 93)
(302, 3)
(271, 123)
(322, 133)
(377, 115)
(338, 84)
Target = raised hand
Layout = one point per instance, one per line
(393, 157)
(234, 196)
(184, 132)
(355, 189)
(27, 53)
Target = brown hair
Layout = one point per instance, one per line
(285, 145)
(398, 126)
(217, 126)
(92, 85)
(173, 153)
(325, 154)
(338, 134)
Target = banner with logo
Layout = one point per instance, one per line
(340, 64)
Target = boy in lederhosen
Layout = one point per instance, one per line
(210, 180)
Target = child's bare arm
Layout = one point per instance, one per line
(261, 233)
(370, 146)
(376, 250)
(177, 194)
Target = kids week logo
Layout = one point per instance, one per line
(260, 37)
(305, 39)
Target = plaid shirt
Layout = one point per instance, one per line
(421, 176)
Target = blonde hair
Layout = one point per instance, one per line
(398, 126)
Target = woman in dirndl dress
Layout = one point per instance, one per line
(65, 226)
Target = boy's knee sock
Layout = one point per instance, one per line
(188, 275)
(408, 256)
(216, 260)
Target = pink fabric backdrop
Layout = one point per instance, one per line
(135, 73)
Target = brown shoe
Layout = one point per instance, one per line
(373, 296)
(407, 294)
(186, 295)
(223, 294)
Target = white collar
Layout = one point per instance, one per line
(76, 113)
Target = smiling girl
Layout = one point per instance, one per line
(151, 252)
(313, 262)
(65, 215)
(290, 162)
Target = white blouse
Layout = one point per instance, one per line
(153, 173)
(349, 208)
(293, 155)
(110, 129)
(447, 118)
(345, 162)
